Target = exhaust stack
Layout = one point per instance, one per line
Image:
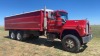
(45, 21)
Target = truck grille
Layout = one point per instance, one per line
(87, 28)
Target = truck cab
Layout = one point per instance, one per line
(72, 33)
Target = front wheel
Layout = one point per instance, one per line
(71, 43)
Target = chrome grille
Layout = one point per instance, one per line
(87, 28)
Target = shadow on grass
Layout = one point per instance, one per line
(43, 41)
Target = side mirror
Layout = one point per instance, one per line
(57, 15)
(59, 21)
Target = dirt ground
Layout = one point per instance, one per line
(41, 47)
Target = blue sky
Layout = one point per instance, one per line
(77, 9)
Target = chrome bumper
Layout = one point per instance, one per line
(87, 38)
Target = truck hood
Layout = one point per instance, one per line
(75, 23)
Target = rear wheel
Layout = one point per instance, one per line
(71, 43)
(12, 35)
(20, 36)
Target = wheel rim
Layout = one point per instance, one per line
(12, 35)
(70, 43)
(18, 36)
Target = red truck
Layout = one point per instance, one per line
(53, 24)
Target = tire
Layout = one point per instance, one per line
(20, 36)
(12, 35)
(9, 34)
(71, 43)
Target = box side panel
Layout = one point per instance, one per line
(29, 21)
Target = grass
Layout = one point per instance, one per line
(96, 30)
(40, 47)
(1, 28)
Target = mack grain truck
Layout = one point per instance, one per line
(51, 23)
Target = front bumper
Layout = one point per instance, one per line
(86, 39)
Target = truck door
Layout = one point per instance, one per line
(52, 24)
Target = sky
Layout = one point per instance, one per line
(77, 9)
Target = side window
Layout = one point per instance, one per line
(52, 16)
(49, 14)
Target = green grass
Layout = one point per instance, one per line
(1, 28)
(96, 30)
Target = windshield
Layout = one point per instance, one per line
(63, 15)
